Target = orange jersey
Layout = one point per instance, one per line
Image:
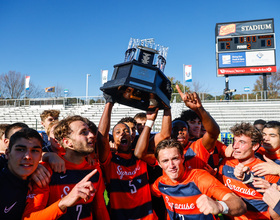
(60, 185)
(128, 187)
(195, 154)
(180, 198)
(217, 153)
(275, 157)
(256, 207)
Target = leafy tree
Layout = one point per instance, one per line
(273, 85)
(174, 90)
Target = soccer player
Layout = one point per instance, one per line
(2, 137)
(194, 124)
(259, 124)
(51, 202)
(236, 173)
(196, 153)
(271, 197)
(144, 150)
(140, 119)
(23, 154)
(126, 176)
(11, 129)
(191, 193)
(270, 152)
(131, 123)
(47, 117)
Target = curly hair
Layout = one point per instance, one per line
(47, 113)
(248, 130)
(168, 144)
(49, 128)
(63, 129)
(189, 115)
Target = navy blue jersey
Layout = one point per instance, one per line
(13, 192)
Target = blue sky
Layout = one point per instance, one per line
(58, 42)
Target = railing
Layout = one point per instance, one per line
(175, 98)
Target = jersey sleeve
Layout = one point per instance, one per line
(36, 203)
(52, 212)
(154, 189)
(210, 186)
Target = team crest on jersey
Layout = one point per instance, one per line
(122, 172)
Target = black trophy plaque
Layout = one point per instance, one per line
(139, 83)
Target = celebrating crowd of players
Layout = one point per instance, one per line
(182, 172)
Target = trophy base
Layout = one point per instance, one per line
(139, 86)
(133, 97)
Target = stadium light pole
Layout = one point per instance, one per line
(87, 89)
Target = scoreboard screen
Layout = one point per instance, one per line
(247, 42)
(245, 48)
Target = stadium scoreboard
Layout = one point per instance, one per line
(245, 48)
(246, 42)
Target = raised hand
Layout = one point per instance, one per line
(82, 190)
(191, 100)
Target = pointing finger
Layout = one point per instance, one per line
(87, 177)
(179, 90)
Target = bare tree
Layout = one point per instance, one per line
(34, 91)
(58, 93)
(198, 87)
(12, 84)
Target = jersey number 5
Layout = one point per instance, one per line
(133, 190)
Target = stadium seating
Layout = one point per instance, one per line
(225, 113)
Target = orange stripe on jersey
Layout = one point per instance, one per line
(196, 156)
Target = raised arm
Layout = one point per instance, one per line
(103, 146)
(166, 127)
(193, 101)
(141, 149)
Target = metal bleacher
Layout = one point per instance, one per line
(225, 113)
